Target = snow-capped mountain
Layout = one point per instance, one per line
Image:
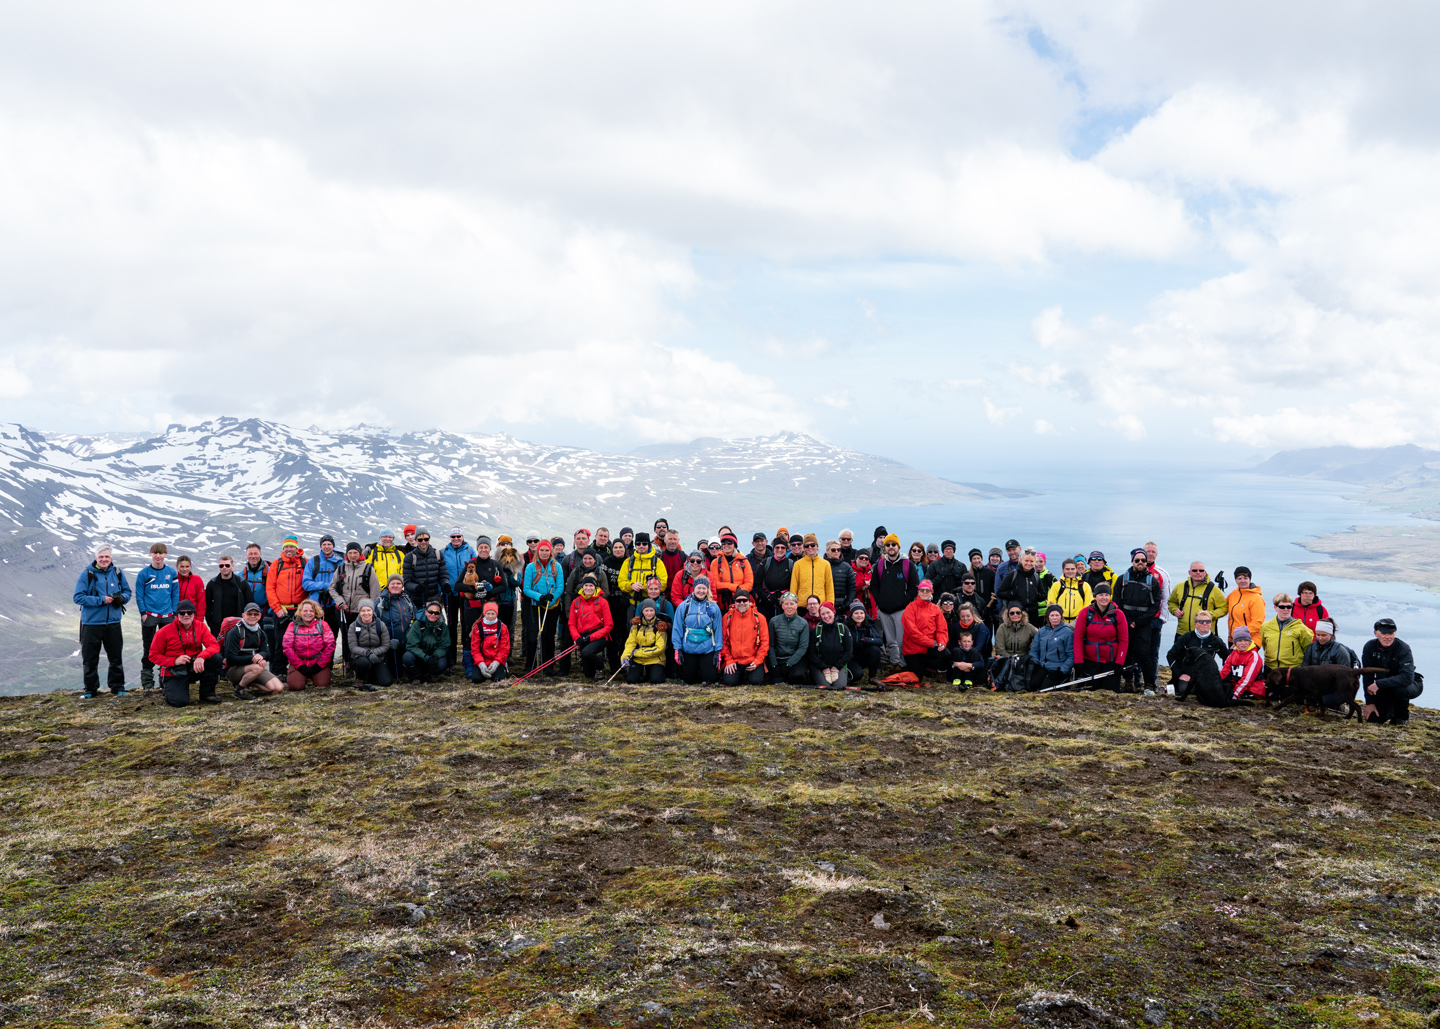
(227, 481)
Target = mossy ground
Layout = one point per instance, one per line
(591, 856)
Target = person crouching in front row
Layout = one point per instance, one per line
(184, 652)
(246, 649)
(309, 647)
(489, 646)
(427, 644)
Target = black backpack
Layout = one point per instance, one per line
(364, 577)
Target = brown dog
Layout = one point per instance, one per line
(1309, 686)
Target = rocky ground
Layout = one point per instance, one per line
(577, 855)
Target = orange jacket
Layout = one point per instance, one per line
(1247, 608)
(746, 638)
(284, 584)
(733, 574)
(923, 625)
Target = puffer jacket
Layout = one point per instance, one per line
(353, 582)
(1186, 600)
(425, 578)
(698, 627)
(386, 561)
(1012, 640)
(843, 576)
(428, 640)
(746, 638)
(831, 646)
(93, 586)
(1053, 649)
(1285, 646)
(1073, 596)
(397, 613)
(242, 643)
(590, 616)
(923, 627)
(810, 576)
(789, 640)
(1246, 607)
(319, 571)
(1102, 636)
(730, 574)
(647, 643)
(774, 580)
(490, 642)
(285, 583)
(637, 569)
(369, 641)
(312, 644)
(173, 640)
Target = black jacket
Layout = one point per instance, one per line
(425, 576)
(1139, 597)
(890, 586)
(773, 580)
(1397, 659)
(242, 643)
(491, 578)
(1024, 587)
(945, 573)
(831, 646)
(1196, 657)
(844, 578)
(223, 598)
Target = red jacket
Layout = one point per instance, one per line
(862, 591)
(746, 638)
(1310, 613)
(173, 640)
(1101, 637)
(490, 642)
(674, 563)
(193, 590)
(923, 627)
(1252, 673)
(681, 587)
(284, 584)
(592, 616)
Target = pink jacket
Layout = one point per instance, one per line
(312, 645)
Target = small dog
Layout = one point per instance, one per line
(1309, 686)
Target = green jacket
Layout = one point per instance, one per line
(427, 640)
(1285, 648)
(1186, 600)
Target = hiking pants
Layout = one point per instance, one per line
(376, 673)
(637, 675)
(936, 666)
(1114, 681)
(92, 639)
(177, 686)
(697, 668)
(743, 675)
(818, 678)
(1145, 650)
(149, 626)
(894, 632)
(592, 657)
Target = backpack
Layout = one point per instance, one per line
(1204, 597)
(364, 578)
(229, 623)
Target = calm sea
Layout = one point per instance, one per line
(1222, 518)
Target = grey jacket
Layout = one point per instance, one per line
(369, 641)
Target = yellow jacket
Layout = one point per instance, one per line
(647, 644)
(1247, 608)
(386, 561)
(1186, 601)
(811, 577)
(1285, 648)
(1073, 596)
(638, 568)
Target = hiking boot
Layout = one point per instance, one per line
(365, 687)
(210, 699)
(121, 692)
(88, 696)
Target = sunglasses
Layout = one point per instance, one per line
(812, 546)
(225, 564)
(1286, 606)
(422, 539)
(742, 603)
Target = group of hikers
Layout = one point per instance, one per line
(791, 610)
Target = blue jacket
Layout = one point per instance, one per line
(547, 588)
(1054, 649)
(157, 590)
(396, 613)
(256, 581)
(315, 580)
(91, 589)
(455, 560)
(697, 628)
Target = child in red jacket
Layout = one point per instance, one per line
(489, 645)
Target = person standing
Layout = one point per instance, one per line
(226, 595)
(253, 572)
(642, 563)
(672, 557)
(189, 586)
(157, 596)
(544, 588)
(1246, 606)
(319, 572)
(1099, 572)
(285, 589)
(759, 554)
(730, 572)
(1070, 593)
(1151, 659)
(945, 571)
(101, 593)
(1138, 595)
(1308, 608)
(457, 555)
(1197, 593)
(1102, 634)
(810, 575)
(385, 557)
(894, 585)
(424, 573)
(1387, 697)
(774, 579)
(1023, 584)
(842, 575)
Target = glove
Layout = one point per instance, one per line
(584, 639)
(677, 657)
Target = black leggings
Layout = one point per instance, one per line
(177, 685)
(654, 674)
(697, 668)
(376, 673)
(592, 657)
(935, 665)
(744, 675)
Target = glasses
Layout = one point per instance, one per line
(434, 611)
(892, 546)
(832, 550)
(224, 564)
(1286, 606)
(695, 561)
(742, 603)
(422, 539)
(812, 546)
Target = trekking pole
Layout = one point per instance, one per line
(1075, 682)
(612, 678)
(539, 668)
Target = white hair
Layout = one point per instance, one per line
(104, 548)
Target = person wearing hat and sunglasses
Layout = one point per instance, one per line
(1387, 697)
(425, 576)
(427, 644)
(811, 575)
(183, 652)
(457, 555)
(730, 572)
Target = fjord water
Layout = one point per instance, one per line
(1223, 518)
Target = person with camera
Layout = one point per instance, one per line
(101, 594)
(185, 652)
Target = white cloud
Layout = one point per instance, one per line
(1044, 428)
(997, 415)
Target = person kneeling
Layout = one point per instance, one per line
(1052, 652)
(925, 638)
(590, 625)
(1243, 674)
(746, 643)
(246, 650)
(967, 665)
(831, 648)
(489, 646)
(789, 643)
(182, 651)
(644, 655)
(369, 640)
(696, 635)
(309, 647)
(427, 644)
(867, 645)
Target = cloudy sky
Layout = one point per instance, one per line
(961, 234)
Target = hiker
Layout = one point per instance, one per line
(773, 580)
(156, 595)
(967, 667)
(226, 595)
(408, 547)
(683, 584)
(1308, 608)
(590, 624)
(1325, 649)
(697, 635)
(184, 652)
(923, 645)
(1246, 605)
(427, 644)
(830, 650)
(641, 563)
(457, 556)
(645, 648)
(246, 653)
(1197, 593)
(673, 556)
(1010, 662)
(368, 644)
(253, 572)
(868, 642)
(1243, 671)
(1102, 633)
(1192, 658)
(1052, 652)
(789, 641)
(385, 557)
(1138, 595)
(482, 583)
(285, 589)
(544, 587)
(101, 593)
(1283, 636)
(1150, 660)
(841, 574)
(425, 578)
(1387, 698)
(759, 553)
(309, 647)
(1098, 571)
(1070, 592)
(847, 545)
(810, 575)
(189, 586)
(966, 617)
(745, 642)
(352, 582)
(397, 611)
(730, 572)
(1023, 584)
(489, 646)
(619, 601)
(894, 584)
(319, 571)
(945, 571)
